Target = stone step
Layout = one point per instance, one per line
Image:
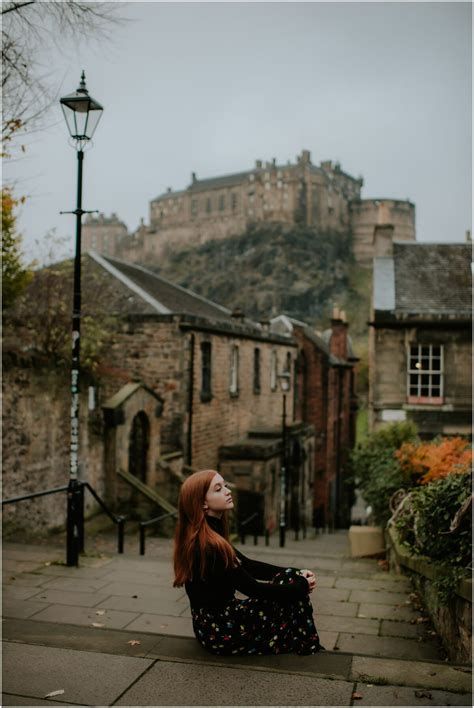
(347, 666)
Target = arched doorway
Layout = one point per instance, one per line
(138, 448)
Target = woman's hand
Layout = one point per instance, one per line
(310, 577)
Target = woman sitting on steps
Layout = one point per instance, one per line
(275, 618)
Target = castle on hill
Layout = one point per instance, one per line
(323, 197)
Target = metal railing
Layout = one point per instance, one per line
(244, 523)
(143, 525)
(79, 490)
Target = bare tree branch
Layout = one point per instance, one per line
(28, 30)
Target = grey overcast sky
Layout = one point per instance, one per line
(385, 88)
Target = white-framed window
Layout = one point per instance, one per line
(234, 370)
(425, 373)
(273, 370)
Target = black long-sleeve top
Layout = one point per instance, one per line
(221, 583)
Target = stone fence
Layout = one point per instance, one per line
(453, 621)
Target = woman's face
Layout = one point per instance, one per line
(218, 497)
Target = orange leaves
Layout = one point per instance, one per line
(436, 459)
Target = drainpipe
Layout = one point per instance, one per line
(189, 460)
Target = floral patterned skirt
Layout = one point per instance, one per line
(254, 626)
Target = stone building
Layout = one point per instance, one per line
(104, 234)
(185, 384)
(325, 372)
(420, 338)
(321, 196)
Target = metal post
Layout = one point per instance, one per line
(283, 480)
(121, 529)
(75, 525)
(80, 525)
(142, 540)
(267, 537)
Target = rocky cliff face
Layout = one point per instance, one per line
(271, 269)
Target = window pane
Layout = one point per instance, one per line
(436, 350)
(413, 390)
(425, 380)
(425, 391)
(436, 380)
(413, 379)
(436, 364)
(435, 391)
(425, 351)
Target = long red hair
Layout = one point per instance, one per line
(193, 533)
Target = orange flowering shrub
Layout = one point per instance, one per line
(433, 460)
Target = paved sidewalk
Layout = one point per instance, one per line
(115, 632)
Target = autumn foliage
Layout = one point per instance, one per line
(429, 461)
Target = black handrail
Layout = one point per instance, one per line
(149, 522)
(55, 490)
(119, 520)
(244, 523)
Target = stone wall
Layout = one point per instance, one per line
(452, 621)
(36, 408)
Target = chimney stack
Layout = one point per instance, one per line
(383, 240)
(339, 327)
(237, 314)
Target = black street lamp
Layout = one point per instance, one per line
(82, 114)
(285, 387)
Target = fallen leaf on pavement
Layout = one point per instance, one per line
(357, 696)
(133, 642)
(423, 694)
(48, 563)
(55, 693)
(100, 612)
(163, 626)
(97, 624)
(361, 615)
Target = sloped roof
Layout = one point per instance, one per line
(424, 278)
(162, 296)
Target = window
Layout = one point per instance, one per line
(234, 371)
(222, 202)
(206, 352)
(234, 201)
(273, 370)
(256, 370)
(194, 207)
(425, 373)
(208, 205)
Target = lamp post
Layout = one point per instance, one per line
(285, 387)
(82, 114)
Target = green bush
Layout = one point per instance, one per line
(376, 471)
(423, 524)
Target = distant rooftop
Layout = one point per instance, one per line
(424, 278)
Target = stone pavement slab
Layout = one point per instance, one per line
(90, 678)
(10, 699)
(59, 597)
(331, 594)
(411, 673)
(380, 597)
(402, 629)
(354, 625)
(155, 605)
(21, 609)
(171, 683)
(23, 579)
(70, 614)
(140, 590)
(377, 583)
(82, 584)
(341, 609)
(132, 576)
(401, 696)
(394, 647)
(390, 612)
(162, 624)
(18, 593)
